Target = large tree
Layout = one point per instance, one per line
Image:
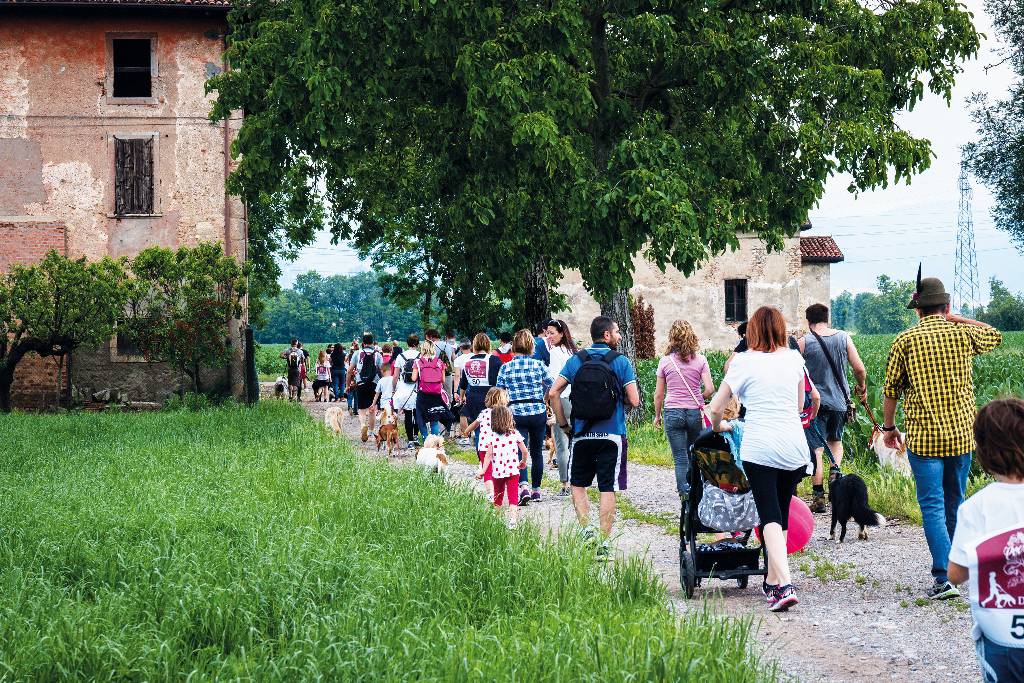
(563, 134)
(997, 158)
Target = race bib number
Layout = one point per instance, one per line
(476, 372)
(999, 581)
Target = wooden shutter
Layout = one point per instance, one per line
(133, 163)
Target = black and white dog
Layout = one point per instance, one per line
(849, 497)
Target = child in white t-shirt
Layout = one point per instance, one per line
(385, 392)
(988, 544)
(504, 455)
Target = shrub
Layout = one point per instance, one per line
(642, 318)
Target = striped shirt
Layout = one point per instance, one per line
(526, 380)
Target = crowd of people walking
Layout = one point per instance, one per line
(784, 401)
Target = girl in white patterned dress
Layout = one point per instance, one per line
(504, 455)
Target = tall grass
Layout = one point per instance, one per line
(249, 544)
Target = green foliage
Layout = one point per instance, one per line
(869, 313)
(338, 308)
(560, 135)
(53, 307)
(249, 543)
(1005, 310)
(997, 158)
(180, 305)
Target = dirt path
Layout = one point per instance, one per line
(861, 616)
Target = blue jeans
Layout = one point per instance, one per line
(533, 429)
(999, 663)
(941, 484)
(682, 427)
(435, 427)
(337, 383)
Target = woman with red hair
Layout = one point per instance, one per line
(768, 379)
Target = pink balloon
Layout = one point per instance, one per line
(801, 526)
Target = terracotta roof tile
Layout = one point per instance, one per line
(822, 249)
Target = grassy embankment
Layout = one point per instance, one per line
(238, 543)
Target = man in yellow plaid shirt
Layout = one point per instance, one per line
(930, 367)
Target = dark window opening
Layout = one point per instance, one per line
(126, 346)
(735, 301)
(133, 67)
(133, 176)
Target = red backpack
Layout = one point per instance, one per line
(431, 375)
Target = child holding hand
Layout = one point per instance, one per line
(988, 544)
(504, 455)
(495, 398)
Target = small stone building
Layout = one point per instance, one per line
(106, 148)
(720, 295)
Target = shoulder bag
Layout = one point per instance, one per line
(851, 409)
(703, 412)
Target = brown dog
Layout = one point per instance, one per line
(387, 434)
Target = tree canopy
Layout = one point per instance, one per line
(532, 137)
(997, 158)
(884, 312)
(1005, 310)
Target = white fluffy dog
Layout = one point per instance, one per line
(432, 455)
(894, 458)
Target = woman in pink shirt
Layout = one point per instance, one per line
(684, 382)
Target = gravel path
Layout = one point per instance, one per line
(861, 616)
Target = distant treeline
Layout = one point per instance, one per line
(886, 311)
(334, 308)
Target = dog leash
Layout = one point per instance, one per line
(871, 415)
(828, 451)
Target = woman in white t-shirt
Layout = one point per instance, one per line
(769, 380)
(988, 543)
(561, 348)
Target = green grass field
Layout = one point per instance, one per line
(1000, 373)
(249, 544)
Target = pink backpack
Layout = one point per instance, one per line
(431, 375)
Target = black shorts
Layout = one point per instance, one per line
(603, 457)
(365, 394)
(320, 383)
(831, 423)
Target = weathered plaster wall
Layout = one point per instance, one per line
(772, 279)
(57, 126)
(815, 287)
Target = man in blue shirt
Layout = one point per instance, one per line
(598, 447)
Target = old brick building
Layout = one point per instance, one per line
(106, 148)
(720, 295)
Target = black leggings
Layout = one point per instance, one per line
(410, 425)
(772, 489)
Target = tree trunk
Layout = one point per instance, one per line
(617, 308)
(537, 307)
(6, 380)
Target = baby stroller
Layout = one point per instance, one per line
(712, 461)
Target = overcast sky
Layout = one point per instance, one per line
(882, 232)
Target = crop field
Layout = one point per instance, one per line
(996, 374)
(250, 544)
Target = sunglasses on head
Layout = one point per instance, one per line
(554, 323)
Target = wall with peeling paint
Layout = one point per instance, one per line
(57, 126)
(777, 279)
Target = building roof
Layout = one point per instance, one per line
(181, 4)
(822, 249)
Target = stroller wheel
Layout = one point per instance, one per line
(741, 582)
(687, 573)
